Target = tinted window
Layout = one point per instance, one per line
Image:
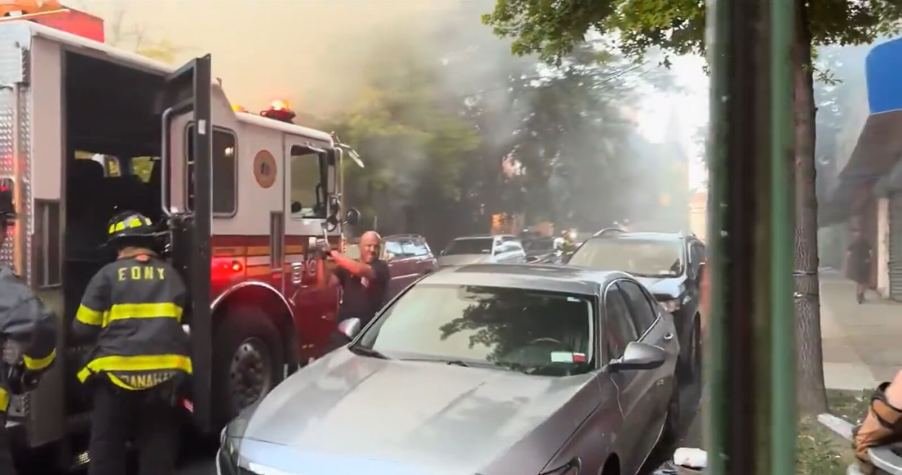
(645, 257)
(470, 246)
(541, 244)
(541, 333)
(643, 314)
(225, 171)
(618, 329)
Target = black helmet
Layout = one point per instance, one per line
(7, 210)
(130, 224)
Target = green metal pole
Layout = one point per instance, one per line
(750, 418)
(783, 357)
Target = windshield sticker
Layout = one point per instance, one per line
(567, 357)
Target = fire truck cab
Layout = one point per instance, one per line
(86, 131)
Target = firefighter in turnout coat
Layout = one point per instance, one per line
(133, 309)
(27, 335)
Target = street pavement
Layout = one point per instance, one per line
(860, 342)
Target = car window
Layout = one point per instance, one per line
(515, 246)
(394, 248)
(419, 248)
(536, 332)
(618, 328)
(643, 313)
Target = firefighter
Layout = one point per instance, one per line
(27, 336)
(133, 310)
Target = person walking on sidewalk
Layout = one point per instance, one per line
(858, 263)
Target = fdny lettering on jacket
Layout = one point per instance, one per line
(140, 273)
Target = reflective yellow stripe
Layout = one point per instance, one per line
(118, 382)
(89, 316)
(136, 363)
(37, 364)
(4, 400)
(145, 310)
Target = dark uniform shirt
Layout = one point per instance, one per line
(24, 320)
(363, 297)
(134, 308)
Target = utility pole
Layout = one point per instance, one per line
(751, 360)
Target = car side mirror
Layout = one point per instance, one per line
(638, 356)
(352, 217)
(349, 327)
(296, 207)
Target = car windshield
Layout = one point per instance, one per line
(536, 332)
(648, 258)
(470, 246)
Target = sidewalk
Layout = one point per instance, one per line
(862, 344)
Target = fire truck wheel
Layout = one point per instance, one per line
(247, 361)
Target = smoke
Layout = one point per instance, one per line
(321, 54)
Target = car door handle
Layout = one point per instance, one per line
(668, 336)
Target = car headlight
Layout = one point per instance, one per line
(230, 439)
(671, 305)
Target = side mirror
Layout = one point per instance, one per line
(349, 327)
(352, 217)
(296, 207)
(639, 356)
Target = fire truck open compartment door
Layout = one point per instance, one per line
(187, 99)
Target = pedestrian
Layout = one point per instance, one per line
(858, 263)
(27, 336)
(364, 282)
(132, 309)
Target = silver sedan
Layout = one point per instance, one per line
(485, 369)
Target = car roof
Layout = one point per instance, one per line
(645, 236)
(485, 236)
(556, 278)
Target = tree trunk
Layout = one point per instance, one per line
(812, 396)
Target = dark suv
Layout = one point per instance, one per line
(408, 256)
(669, 265)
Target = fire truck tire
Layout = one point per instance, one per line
(247, 361)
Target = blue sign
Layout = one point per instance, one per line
(884, 75)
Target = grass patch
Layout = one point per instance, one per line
(849, 405)
(819, 451)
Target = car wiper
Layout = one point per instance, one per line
(458, 363)
(364, 351)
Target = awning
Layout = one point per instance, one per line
(875, 155)
(879, 146)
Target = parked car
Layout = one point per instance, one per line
(489, 249)
(521, 370)
(670, 265)
(408, 256)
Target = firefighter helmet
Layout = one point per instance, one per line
(7, 210)
(130, 224)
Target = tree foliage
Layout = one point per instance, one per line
(553, 29)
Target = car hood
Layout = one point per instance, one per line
(429, 417)
(667, 287)
(464, 259)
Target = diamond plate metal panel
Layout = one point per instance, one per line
(15, 143)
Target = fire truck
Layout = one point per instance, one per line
(88, 130)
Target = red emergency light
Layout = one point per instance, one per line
(280, 110)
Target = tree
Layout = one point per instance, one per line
(553, 29)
